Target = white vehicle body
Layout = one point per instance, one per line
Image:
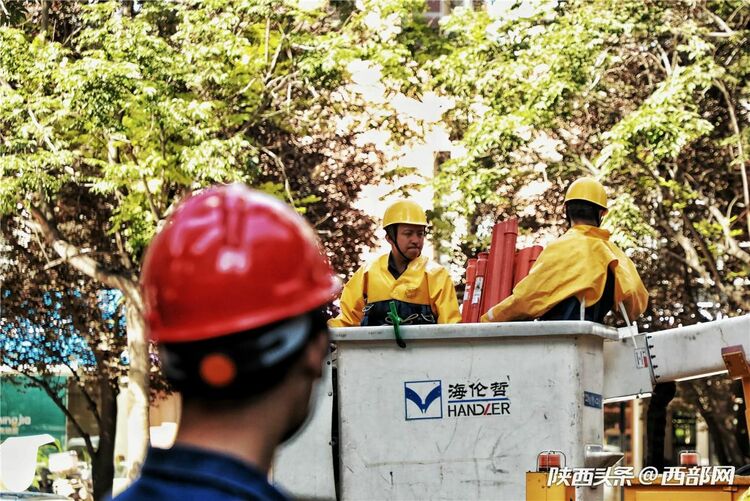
(463, 410)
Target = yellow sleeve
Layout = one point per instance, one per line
(636, 303)
(630, 289)
(443, 297)
(352, 302)
(531, 297)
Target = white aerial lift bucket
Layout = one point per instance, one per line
(463, 411)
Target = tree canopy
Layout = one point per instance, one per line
(112, 112)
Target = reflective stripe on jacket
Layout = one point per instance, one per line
(422, 283)
(574, 265)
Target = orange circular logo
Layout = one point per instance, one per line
(217, 369)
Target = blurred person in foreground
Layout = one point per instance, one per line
(235, 288)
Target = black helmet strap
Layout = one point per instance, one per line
(392, 232)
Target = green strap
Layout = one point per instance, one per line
(396, 320)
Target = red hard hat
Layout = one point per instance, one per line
(232, 259)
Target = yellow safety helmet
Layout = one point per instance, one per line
(589, 190)
(404, 212)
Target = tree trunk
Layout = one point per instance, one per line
(103, 469)
(128, 8)
(741, 432)
(715, 403)
(137, 432)
(714, 431)
(44, 17)
(138, 390)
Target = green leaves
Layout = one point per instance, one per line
(525, 95)
(665, 123)
(216, 160)
(141, 109)
(518, 72)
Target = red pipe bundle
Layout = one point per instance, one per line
(471, 273)
(525, 259)
(477, 292)
(491, 276)
(499, 282)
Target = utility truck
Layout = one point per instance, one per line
(465, 411)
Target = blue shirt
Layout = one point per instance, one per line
(186, 473)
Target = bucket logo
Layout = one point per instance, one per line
(423, 400)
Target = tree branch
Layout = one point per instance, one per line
(732, 247)
(281, 166)
(272, 66)
(721, 34)
(41, 383)
(55, 262)
(124, 257)
(89, 401)
(727, 31)
(267, 39)
(39, 126)
(665, 60)
(705, 250)
(45, 17)
(679, 258)
(740, 147)
(692, 258)
(150, 198)
(85, 264)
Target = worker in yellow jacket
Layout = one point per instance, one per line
(581, 275)
(422, 291)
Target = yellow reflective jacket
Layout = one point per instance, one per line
(573, 265)
(423, 282)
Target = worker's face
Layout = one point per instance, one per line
(410, 239)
